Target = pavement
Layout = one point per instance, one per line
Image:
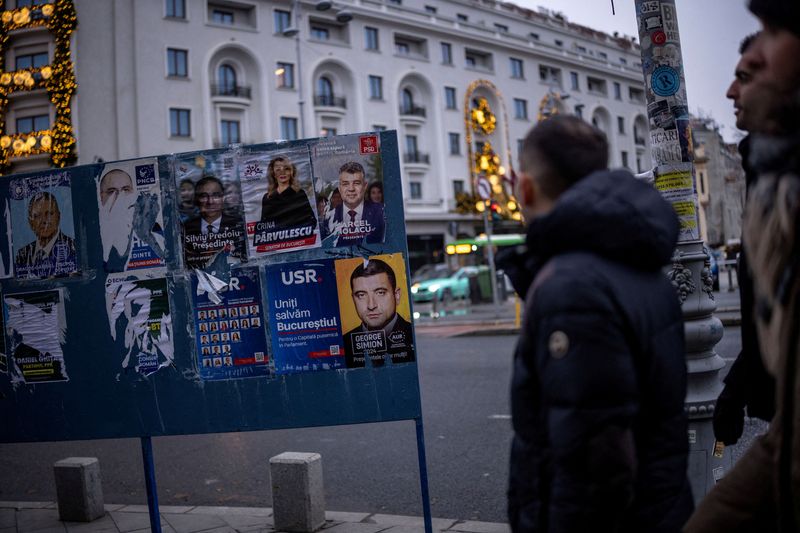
(42, 517)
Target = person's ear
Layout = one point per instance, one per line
(527, 191)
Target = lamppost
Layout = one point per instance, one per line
(672, 151)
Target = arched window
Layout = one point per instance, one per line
(407, 101)
(226, 79)
(324, 91)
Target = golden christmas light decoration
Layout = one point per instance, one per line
(483, 120)
(548, 106)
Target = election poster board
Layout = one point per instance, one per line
(171, 295)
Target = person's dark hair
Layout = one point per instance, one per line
(566, 150)
(747, 41)
(374, 185)
(186, 180)
(203, 181)
(40, 196)
(373, 267)
(352, 167)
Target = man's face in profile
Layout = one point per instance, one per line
(44, 218)
(351, 186)
(209, 197)
(113, 184)
(375, 300)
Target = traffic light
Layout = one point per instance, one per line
(496, 211)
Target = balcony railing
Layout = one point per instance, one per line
(330, 101)
(237, 91)
(417, 157)
(413, 110)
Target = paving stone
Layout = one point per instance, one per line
(109, 507)
(472, 526)
(188, 523)
(135, 509)
(239, 521)
(251, 511)
(33, 505)
(164, 529)
(412, 521)
(38, 520)
(133, 521)
(345, 517)
(175, 509)
(355, 527)
(105, 523)
(8, 518)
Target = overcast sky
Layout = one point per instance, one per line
(711, 31)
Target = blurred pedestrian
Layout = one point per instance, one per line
(599, 371)
(748, 384)
(762, 492)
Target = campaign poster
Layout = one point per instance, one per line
(130, 214)
(675, 182)
(348, 178)
(43, 228)
(230, 329)
(3, 354)
(36, 329)
(375, 311)
(278, 192)
(210, 209)
(140, 322)
(304, 317)
(6, 259)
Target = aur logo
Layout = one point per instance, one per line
(300, 277)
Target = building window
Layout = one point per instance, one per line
(31, 60)
(617, 91)
(416, 190)
(176, 9)
(402, 49)
(602, 55)
(229, 132)
(282, 20)
(533, 36)
(502, 28)
(177, 63)
(596, 86)
(455, 143)
(621, 125)
(462, 17)
(319, 33)
(517, 69)
(478, 59)
(550, 75)
(180, 122)
(376, 87)
(324, 90)
(520, 108)
(226, 80)
(624, 155)
(430, 9)
(285, 74)
(623, 61)
(447, 54)
(378, 127)
(458, 187)
(288, 128)
(327, 132)
(371, 38)
(222, 17)
(520, 143)
(559, 43)
(450, 97)
(636, 95)
(406, 101)
(573, 77)
(33, 123)
(579, 110)
(396, 2)
(580, 49)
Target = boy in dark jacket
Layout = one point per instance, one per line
(599, 374)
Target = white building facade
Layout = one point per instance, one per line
(162, 76)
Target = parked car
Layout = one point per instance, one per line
(431, 271)
(447, 288)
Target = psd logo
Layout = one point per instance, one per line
(145, 175)
(300, 277)
(368, 144)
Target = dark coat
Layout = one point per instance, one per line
(599, 372)
(61, 261)
(372, 216)
(287, 209)
(231, 237)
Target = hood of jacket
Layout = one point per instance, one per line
(609, 213)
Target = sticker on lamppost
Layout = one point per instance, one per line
(665, 81)
(484, 188)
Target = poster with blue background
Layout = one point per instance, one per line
(230, 333)
(304, 317)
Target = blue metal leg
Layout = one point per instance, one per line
(150, 484)
(423, 476)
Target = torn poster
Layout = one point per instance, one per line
(36, 330)
(140, 322)
(131, 221)
(304, 317)
(215, 224)
(230, 328)
(275, 189)
(43, 228)
(3, 354)
(6, 260)
(348, 180)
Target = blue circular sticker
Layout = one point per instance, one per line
(665, 81)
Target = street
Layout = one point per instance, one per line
(368, 468)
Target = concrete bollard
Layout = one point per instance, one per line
(298, 495)
(79, 489)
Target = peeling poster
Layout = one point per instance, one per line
(36, 329)
(140, 322)
(131, 221)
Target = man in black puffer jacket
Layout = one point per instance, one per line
(599, 372)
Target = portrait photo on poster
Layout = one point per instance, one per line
(348, 181)
(212, 224)
(130, 215)
(304, 317)
(140, 322)
(36, 330)
(375, 311)
(277, 188)
(43, 230)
